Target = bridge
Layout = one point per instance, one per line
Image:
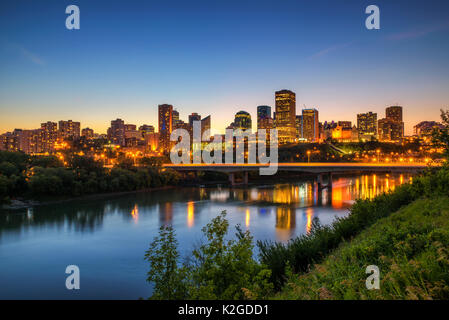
(316, 168)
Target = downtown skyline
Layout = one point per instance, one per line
(127, 67)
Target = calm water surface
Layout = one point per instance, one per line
(108, 238)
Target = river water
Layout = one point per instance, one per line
(107, 238)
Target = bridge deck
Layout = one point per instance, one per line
(315, 167)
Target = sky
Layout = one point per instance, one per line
(219, 57)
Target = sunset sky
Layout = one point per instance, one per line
(218, 57)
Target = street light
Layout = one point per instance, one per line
(308, 156)
(378, 152)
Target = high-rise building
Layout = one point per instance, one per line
(116, 132)
(205, 125)
(165, 126)
(242, 120)
(389, 130)
(310, 125)
(299, 127)
(285, 115)
(262, 113)
(69, 129)
(175, 118)
(88, 133)
(194, 117)
(49, 136)
(394, 114)
(367, 125)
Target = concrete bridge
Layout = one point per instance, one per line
(317, 168)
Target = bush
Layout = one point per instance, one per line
(218, 269)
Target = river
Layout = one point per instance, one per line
(107, 238)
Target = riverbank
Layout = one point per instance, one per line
(22, 203)
(410, 248)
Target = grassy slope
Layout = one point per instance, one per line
(410, 247)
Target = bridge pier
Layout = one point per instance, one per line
(320, 183)
(232, 178)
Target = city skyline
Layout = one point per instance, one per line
(126, 69)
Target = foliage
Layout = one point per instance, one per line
(440, 137)
(169, 280)
(25, 176)
(305, 250)
(410, 247)
(219, 268)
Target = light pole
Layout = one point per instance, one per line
(308, 156)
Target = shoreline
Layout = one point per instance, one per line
(20, 203)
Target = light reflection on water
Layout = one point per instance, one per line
(108, 237)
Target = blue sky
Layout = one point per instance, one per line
(218, 57)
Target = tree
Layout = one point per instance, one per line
(440, 137)
(218, 268)
(163, 255)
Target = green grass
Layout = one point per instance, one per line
(410, 247)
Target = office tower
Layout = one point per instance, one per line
(285, 115)
(299, 127)
(69, 129)
(310, 125)
(87, 133)
(242, 120)
(194, 117)
(262, 113)
(367, 125)
(49, 136)
(389, 130)
(175, 118)
(116, 132)
(146, 129)
(394, 114)
(165, 126)
(205, 125)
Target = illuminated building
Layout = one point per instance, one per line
(341, 133)
(205, 125)
(389, 130)
(49, 136)
(165, 126)
(345, 124)
(367, 125)
(285, 115)
(116, 132)
(146, 129)
(175, 118)
(242, 120)
(263, 112)
(424, 130)
(394, 113)
(88, 133)
(310, 125)
(69, 129)
(298, 127)
(194, 117)
(151, 141)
